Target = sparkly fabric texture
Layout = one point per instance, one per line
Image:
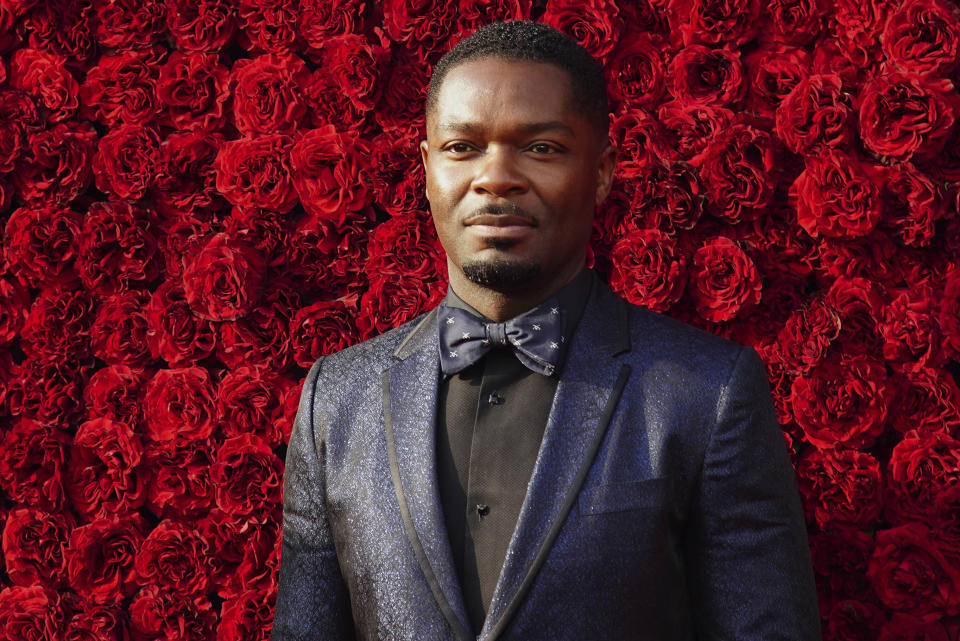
(662, 503)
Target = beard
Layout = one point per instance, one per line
(501, 275)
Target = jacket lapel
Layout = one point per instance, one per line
(587, 393)
(410, 403)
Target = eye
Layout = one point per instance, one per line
(544, 148)
(458, 148)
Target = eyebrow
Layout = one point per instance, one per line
(526, 128)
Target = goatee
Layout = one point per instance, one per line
(501, 275)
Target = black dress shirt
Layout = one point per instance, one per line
(490, 421)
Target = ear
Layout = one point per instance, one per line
(424, 152)
(605, 166)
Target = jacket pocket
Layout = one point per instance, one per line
(648, 494)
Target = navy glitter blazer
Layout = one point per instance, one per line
(662, 503)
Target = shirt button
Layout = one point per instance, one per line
(495, 399)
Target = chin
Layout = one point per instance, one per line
(500, 274)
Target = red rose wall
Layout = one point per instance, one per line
(200, 197)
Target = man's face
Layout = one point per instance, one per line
(513, 174)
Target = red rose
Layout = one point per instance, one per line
(795, 22)
(14, 303)
(200, 25)
(324, 328)
(268, 94)
(393, 299)
(903, 627)
(853, 620)
(256, 173)
(840, 487)
(19, 116)
(118, 335)
(398, 180)
(126, 163)
(48, 390)
(638, 138)
(318, 21)
(354, 63)
(330, 172)
(222, 281)
(266, 231)
(123, 88)
(774, 71)
(870, 257)
(195, 89)
(102, 477)
(910, 330)
(912, 206)
(57, 166)
(815, 115)
(261, 337)
(33, 546)
(910, 575)
(648, 269)
(717, 22)
(702, 75)
(186, 176)
(950, 309)
(736, 169)
(923, 36)
(693, 125)
(401, 106)
(252, 401)
(476, 13)
(921, 467)
(840, 558)
(241, 548)
(406, 244)
(176, 335)
(724, 282)
(837, 195)
(926, 400)
(247, 617)
(637, 73)
(859, 304)
(123, 24)
(118, 247)
(669, 198)
(100, 557)
(58, 325)
(946, 521)
(269, 25)
(116, 393)
(180, 405)
(63, 27)
(330, 105)
(841, 401)
(44, 76)
(157, 613)
(807, 334)
(179, 479)
(174, 557)
(904, 116)
(247, 478)
(31, 613)
(97, 622)
(422, 26)
(594, 24)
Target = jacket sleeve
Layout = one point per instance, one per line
(749, 562)
(312, 600)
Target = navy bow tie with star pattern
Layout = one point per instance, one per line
(535, 337)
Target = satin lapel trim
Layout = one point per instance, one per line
(587, 395)
(410, 403)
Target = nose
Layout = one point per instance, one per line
(499, 174)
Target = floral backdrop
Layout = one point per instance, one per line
(200, 197)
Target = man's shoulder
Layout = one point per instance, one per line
(373, 355)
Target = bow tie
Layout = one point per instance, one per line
(535, 337)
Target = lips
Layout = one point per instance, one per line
(500, 227)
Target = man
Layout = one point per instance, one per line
(535, 458)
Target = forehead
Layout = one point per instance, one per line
(494, 89)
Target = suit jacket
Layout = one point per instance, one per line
(662, 503)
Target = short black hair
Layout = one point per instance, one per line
(534, 42)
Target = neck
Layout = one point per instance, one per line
(500, 306)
